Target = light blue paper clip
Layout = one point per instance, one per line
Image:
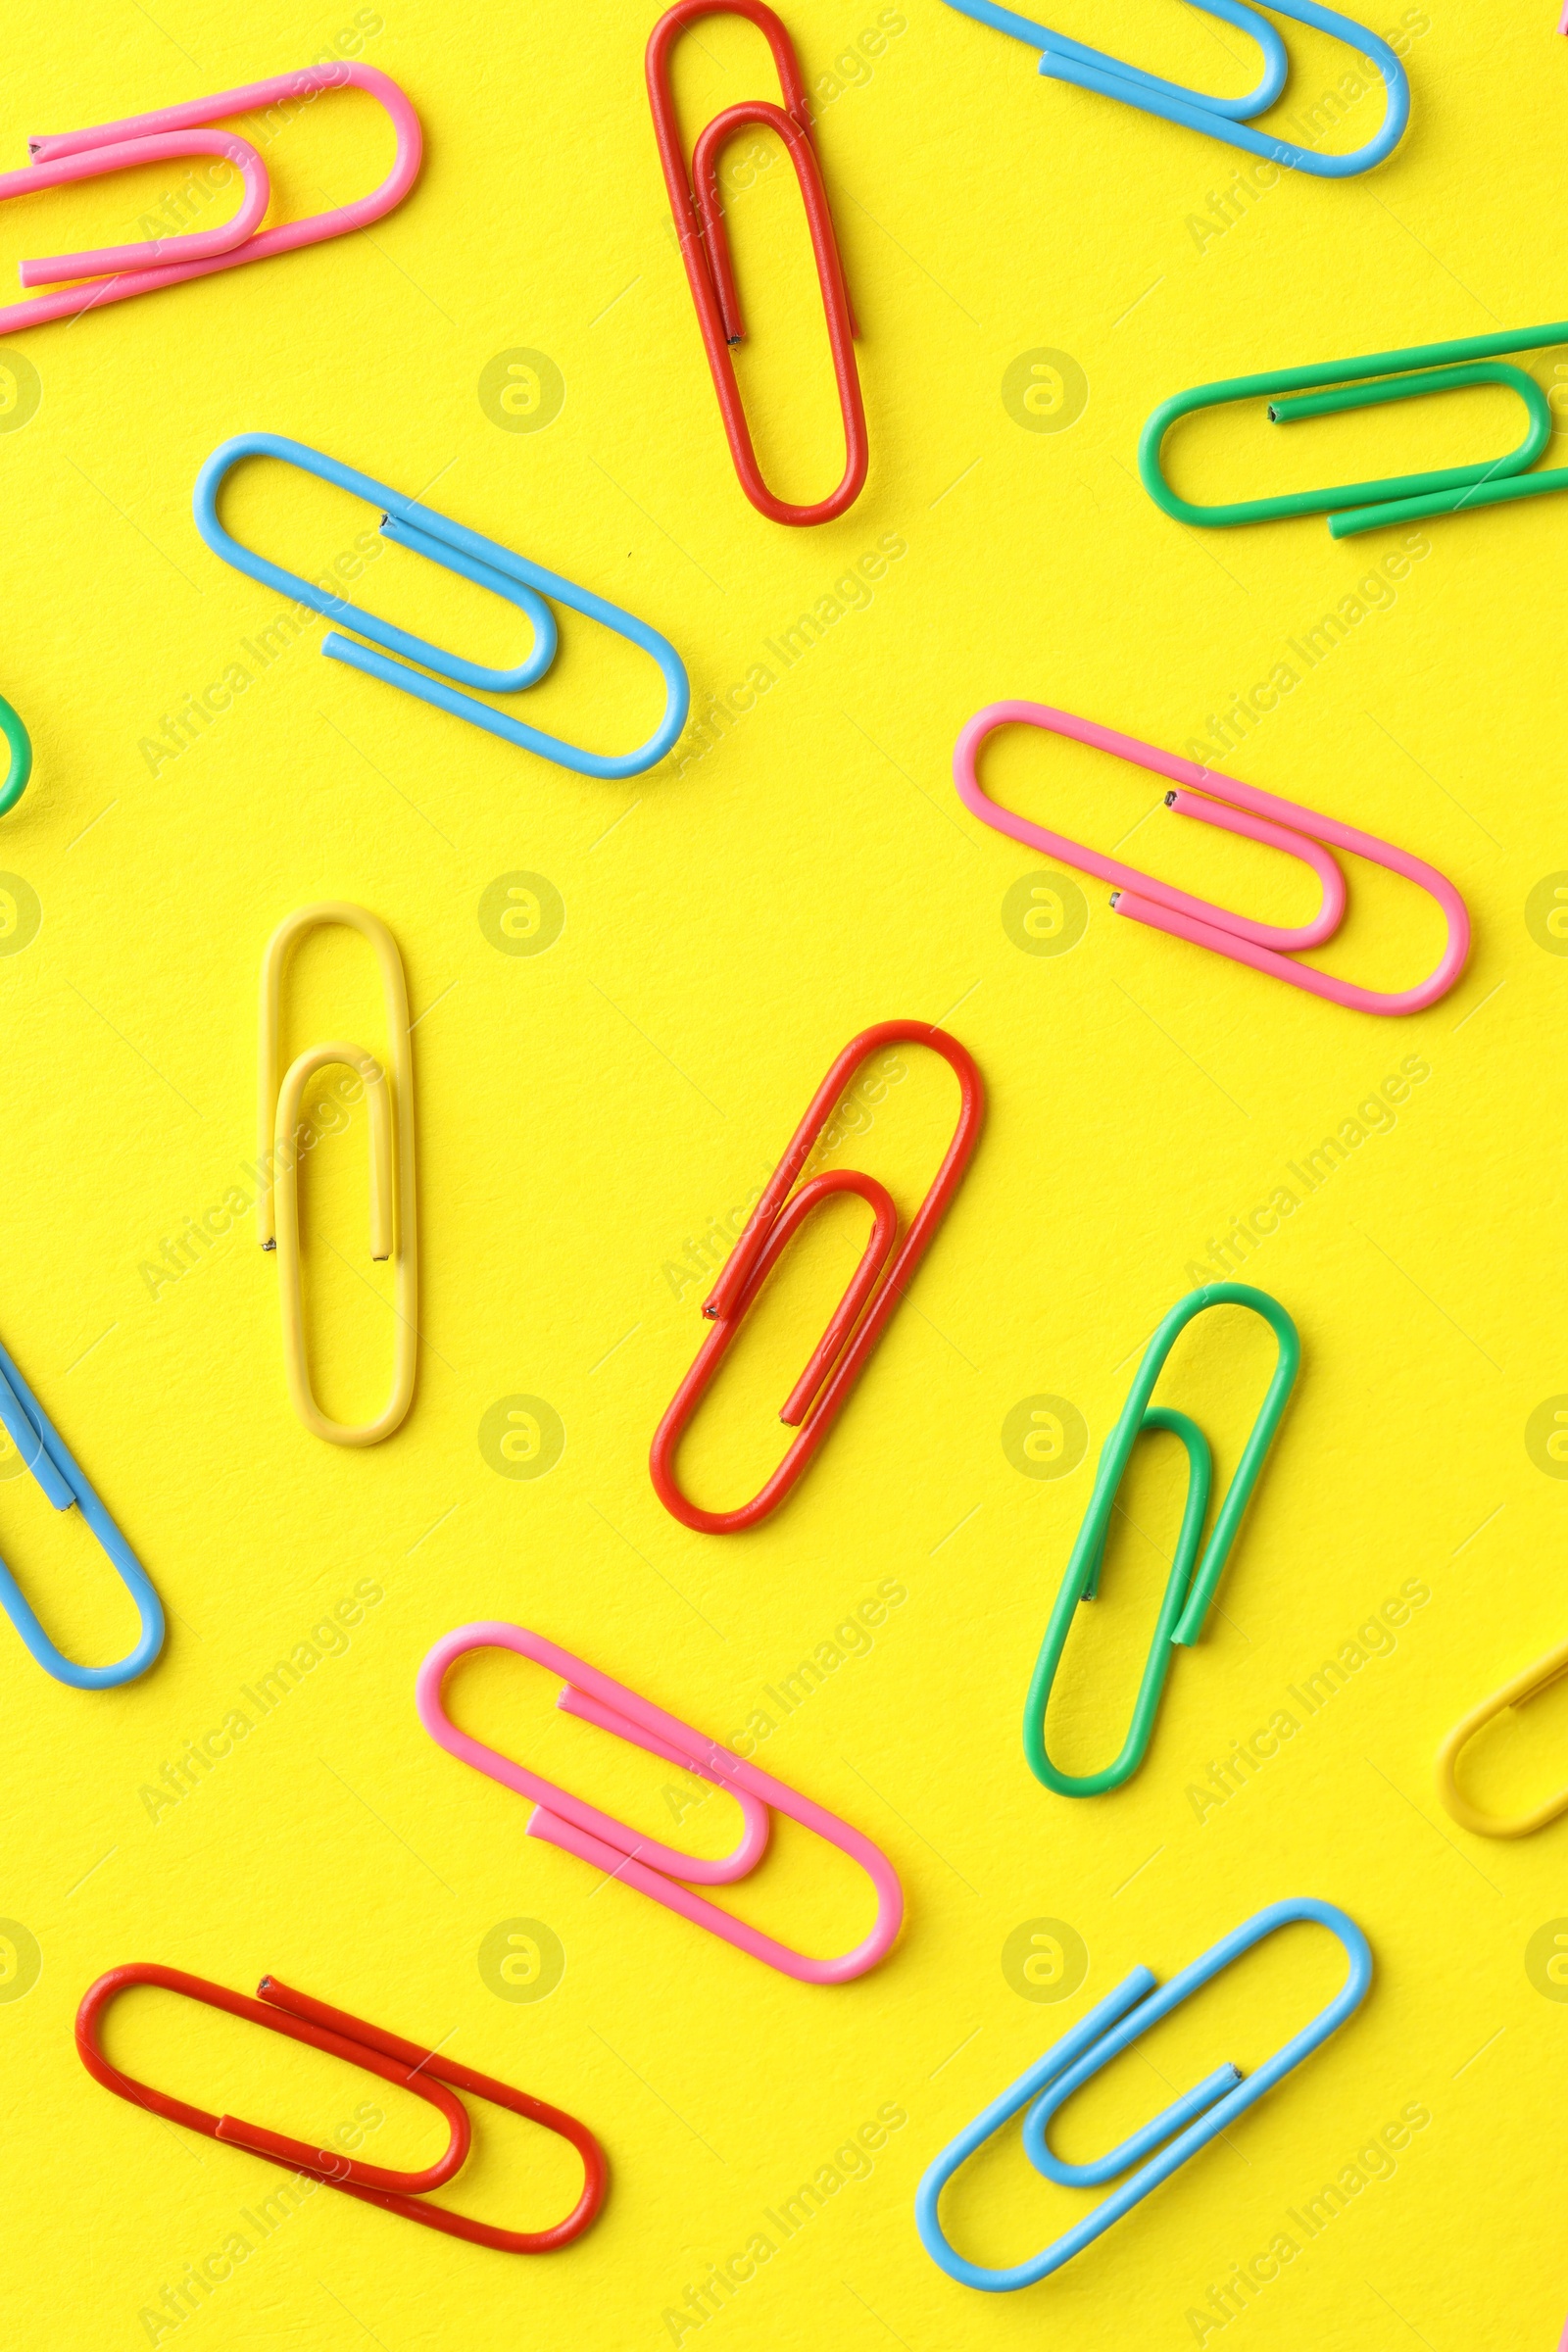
(47, 1454)
(19, 762)
(474, 558)
(1227, 118)
(1186, 2125)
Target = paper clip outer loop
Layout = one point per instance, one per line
(19, 761)
(643, 1863)
(65, 1483)
(694, 200)
(402, 2063)
(1193, 1582)
(133, 140)
(473, 558)
(1333, 386)
(842, 1353)
(1064, 60)
(394, 1215)
(1197, 2117)
(1234, 807)
(1516, 1693)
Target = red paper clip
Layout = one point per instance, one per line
(840, 1355)
(704, 247)
(396, 2060)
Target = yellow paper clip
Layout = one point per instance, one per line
(1516, 1693)
(394, 1231)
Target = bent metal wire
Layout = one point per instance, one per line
(282, 2010)
(854, 1329)
(622, 1852)
(19, 758)
(45, 1453)
(1227, 118)
(394, 1214)
(1332, 387)
(178, 131)
(699, 215)
(1512, 1695)
(1233, 808)
(1177, 2134)
(1193, 1582)
(472, 557)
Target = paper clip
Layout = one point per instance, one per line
(401, 2063)
(841, 1355)
(1512, 1695)
(180, 131)
(281, 1138)
(1337, 385)
(694, 200)
(473, 558)
(18, 749)
(1226, 119)
(624, 1853)
(1186, 2125)
(1192, 1581)
(45, 1453)
(1234, 807)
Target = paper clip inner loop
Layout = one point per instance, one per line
(425, 2073)
(394, 1225)
(1193, 1582)
(1185, 2127)
(856, 1326)
(622, 1852)
(1233, 808)
(699, 215)
(19, 758)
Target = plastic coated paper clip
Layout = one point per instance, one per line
(19, 758)
(47, 1454)
(622, 1852)
(282, 1136)
(1374, 382)
(1235, 808)
(402, 2063)
(1226, 119)
(840, 1355)
(1517, 1693)
(473, 558)
(1186, 2125)
(181, 130)
(694, 200)
(1192, 1581)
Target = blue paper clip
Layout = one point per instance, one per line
(20, 767)
(45, 1453)
(1224, 119)
(1186, 2125)
(474, 558)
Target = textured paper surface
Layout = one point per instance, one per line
(592, 1113)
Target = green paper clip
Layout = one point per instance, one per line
(1371, 383)
(19, 769)
(1191, 1588)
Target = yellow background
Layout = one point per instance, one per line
(731, 920)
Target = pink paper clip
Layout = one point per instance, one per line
(1216, 800)
(621, 1851)
(180, 130)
